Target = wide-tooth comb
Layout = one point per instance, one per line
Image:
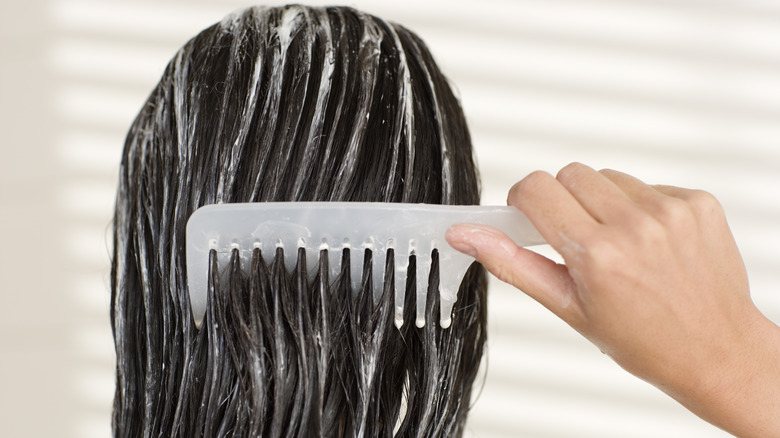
(409, 229)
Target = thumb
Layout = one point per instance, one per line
(540, 278)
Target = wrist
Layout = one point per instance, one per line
(737, 385)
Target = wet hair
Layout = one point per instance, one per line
(289, 104)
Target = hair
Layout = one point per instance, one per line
(289, 104)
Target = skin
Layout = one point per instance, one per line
(652, 276)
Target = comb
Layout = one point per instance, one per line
(409, 229)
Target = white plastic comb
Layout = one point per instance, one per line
(410, 229)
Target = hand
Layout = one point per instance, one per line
(653, 277)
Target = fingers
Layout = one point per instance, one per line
(677, 192)
(636, 190)
(700, 201)
(542, 279)
(664, 203)
(552, 209)
(583, 213)
(703, 209)
(654, 198)
(599, 196)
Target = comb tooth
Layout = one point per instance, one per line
(423, 274)
(323, 246)
(401, 265)
(445, 313)
(334, 262)
(378, 262)
(452, 267)
(257, 245)
(300, 243)
(356, 256)
(312, 260)
(267, 252)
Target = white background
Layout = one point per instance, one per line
(683, 92)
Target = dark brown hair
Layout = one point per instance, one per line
(288, 104)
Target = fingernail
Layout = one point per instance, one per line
(465, 248)
(455, 236)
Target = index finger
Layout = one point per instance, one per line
(553, 210)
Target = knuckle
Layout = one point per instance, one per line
(530, 184)
(535, 178)
(674, 211)
(702, 202)
(569, 172)
(650, 233)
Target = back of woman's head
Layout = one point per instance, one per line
(288, 104)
